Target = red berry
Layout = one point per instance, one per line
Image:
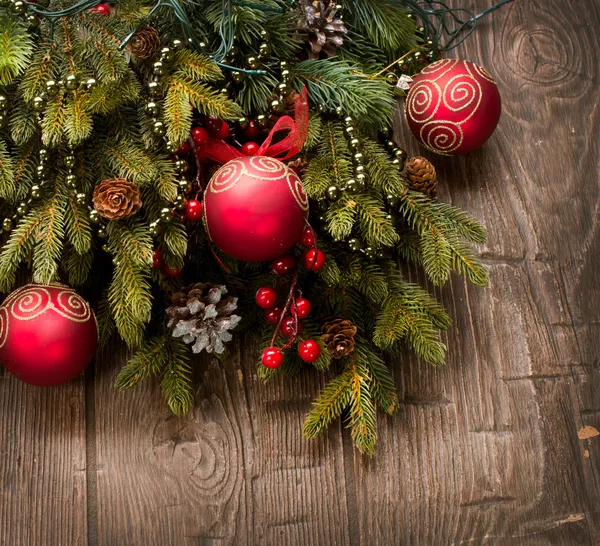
(266, 297)
(193, 210)
(213, 125)
(252, 131)
(309, 350)
(223, 132)
(308, 237)
(314, 260)
(184, 149)
(288, 326)
(273, 315)
(303, 306)
(199, 136)
(284, 264)
(172, 273)
(157, 259)
(250, 148)
(101, 9)
(272, 358)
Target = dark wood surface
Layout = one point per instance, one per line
(498, 447)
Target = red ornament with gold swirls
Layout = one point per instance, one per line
(48, 334)
(255, 208)
(453, 106)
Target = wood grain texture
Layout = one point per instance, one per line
(483, 451)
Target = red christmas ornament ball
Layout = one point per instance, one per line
(48, 334)
(314, 259)
(250, 148)
(255, 208)
(283, 265)
(272, 358)
(266, 297)
(302, 306)
(309, 350)
(453, 106)
(193, 210)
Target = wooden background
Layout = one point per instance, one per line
(498, 447)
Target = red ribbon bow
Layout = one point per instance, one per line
(221, 152)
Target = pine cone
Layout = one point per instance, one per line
(201, 316)
(299, 166)
(116, 199)
(339, 337)
(421, 176)
(145, 44)
(326, 28)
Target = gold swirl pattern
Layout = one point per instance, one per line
(72, 306)
(260, 168)
(461, 96)
(3, 326)
(442, 136)
(32, 301)
(421, 101)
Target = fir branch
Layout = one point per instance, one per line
(206, 100)
(381, 381)
(178, 115)
(78, 228)
(23, 123)
(16, 49)
(338, 84)
(129, 294)
(362, 418)
(42, 68)
(150, 360)
(374, 225)
(8, 188)
(195, 66)
(78, 120)
(106, 323)
(381, 172)
(77, 266)
(54, 120)
(176, 379)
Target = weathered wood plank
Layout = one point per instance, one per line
(42, 464)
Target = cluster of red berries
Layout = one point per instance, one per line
(298, 307)
(159, 263)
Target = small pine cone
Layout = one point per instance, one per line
(145, 44)
(299, 166)
(326, 29)
(339, 337)
(421, 176)
(203, 317)
(116, 199)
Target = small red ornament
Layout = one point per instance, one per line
(283, 265)
(224, 131)
(157, 259)
(48, 334)
(266, 297)
(213, 125)
(288, 325)
(184, 149)
(309, 350)
(193, 210)
(453, 106)
(250, 148)
(272, 358)
(171, 272)
(308, 237)
(199, 136)
(100, 9)
(302, 306)
(273, 315)
(314, 259)
(252, 131)
(255, 208)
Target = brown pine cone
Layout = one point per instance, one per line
(145, 44)
(116, 199)
(326, 29)
(299, 166)
(339, 337)
(421, 176)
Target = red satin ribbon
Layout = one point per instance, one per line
(221, 152)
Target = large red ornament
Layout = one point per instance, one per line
(48, 334)
(255, 208)
(453, 106)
